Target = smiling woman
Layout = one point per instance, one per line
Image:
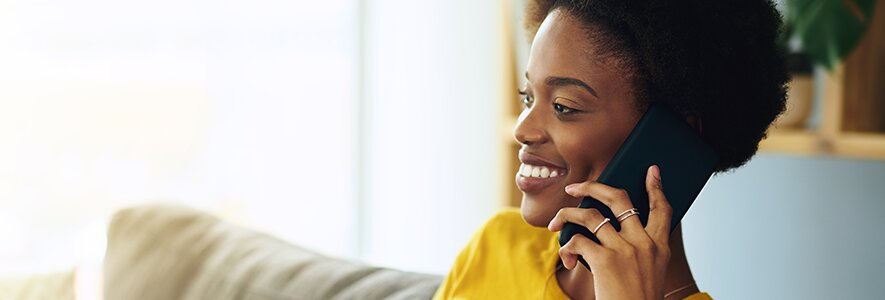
(594, 68)
(585, 131)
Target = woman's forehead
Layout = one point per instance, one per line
(564, 47)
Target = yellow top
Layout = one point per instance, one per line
(509, 259)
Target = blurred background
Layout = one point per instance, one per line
(380, 131)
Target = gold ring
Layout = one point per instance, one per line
(600, 225)
(630, 214)
(633, 210)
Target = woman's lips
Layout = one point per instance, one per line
(536, 160)
(533, 179)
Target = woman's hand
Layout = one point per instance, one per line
(632, 263)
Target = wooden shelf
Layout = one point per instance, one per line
(860, 145)
(853, 106)
(804, 142)
(793, 141)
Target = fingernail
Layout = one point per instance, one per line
(656, 173)
(569, 188)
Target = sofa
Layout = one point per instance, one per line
(168, 251)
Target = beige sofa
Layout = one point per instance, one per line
(164, 251)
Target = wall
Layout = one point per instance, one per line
(788, 227)
(242, 108)
(432, 90)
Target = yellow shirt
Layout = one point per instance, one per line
(509, 259)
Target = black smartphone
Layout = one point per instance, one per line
(663, 138)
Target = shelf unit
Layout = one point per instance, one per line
(853, 105)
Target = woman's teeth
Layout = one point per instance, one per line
(527, 170)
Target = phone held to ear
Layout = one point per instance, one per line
(663, 138)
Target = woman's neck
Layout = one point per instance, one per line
(578, 282)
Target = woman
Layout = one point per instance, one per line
(593, 68)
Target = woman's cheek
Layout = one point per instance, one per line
(587, 157)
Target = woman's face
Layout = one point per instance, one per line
(580, 109)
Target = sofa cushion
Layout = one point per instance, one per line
(56, 285)
(167, 251)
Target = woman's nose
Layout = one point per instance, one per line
(527, 130)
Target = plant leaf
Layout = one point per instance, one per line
(829, 29)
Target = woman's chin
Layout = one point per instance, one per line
(538, 211)
(537, 214)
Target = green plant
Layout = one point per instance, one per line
(827, 30)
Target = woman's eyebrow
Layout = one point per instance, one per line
(556, 81)
(566, 81)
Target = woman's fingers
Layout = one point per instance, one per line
(659, 213)
(589, 218)
(616, 199)
(580, 245)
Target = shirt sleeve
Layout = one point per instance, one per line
(468, 256)
(453, 278)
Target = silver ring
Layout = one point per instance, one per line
(600, 225)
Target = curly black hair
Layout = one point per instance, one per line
(715, 59)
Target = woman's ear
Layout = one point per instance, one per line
(695, 122)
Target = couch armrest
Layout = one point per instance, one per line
(166, 251)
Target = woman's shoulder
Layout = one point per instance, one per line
(504, 238)
(505, 218)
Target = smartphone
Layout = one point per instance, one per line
(663, 138)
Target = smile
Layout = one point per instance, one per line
(533, 179)
(527, 170)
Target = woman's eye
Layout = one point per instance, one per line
(563, 109)
(526, 99)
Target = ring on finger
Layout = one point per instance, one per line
(606, 220)
(621, 219)
(627, 213)
(631, 210)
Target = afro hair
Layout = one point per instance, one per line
(717, 60)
